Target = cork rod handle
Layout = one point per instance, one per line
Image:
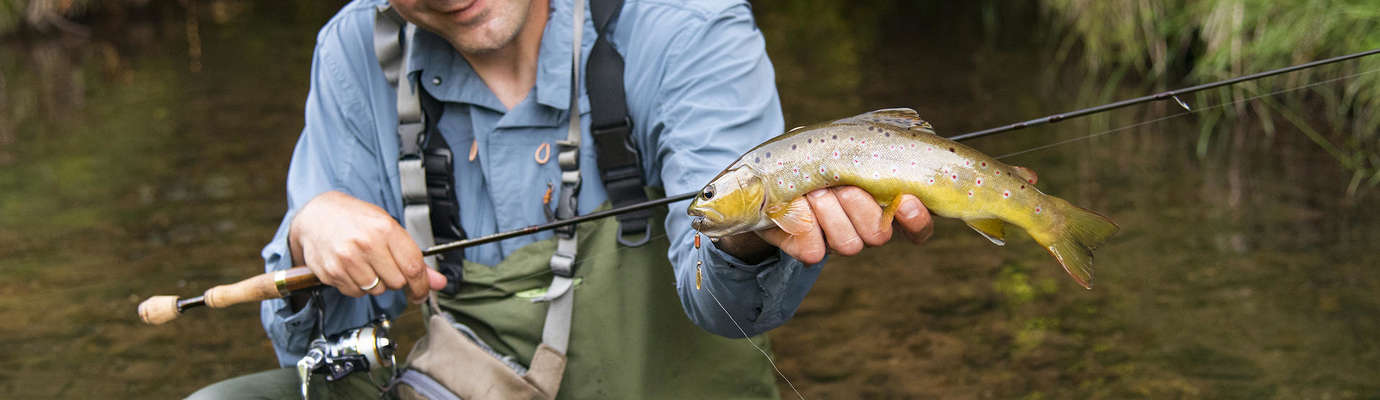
(158, 310)
(261, 287)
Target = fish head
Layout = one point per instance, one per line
(730, 204)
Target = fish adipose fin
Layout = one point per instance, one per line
(1082, 231)
(900, 118)
(991, 228)
(795, 218)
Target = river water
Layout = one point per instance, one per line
(146, 160)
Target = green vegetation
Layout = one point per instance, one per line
(1183, 41)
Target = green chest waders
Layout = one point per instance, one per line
(629, 338)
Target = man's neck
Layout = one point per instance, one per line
(511, 71)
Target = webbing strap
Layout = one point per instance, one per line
(611, 127)
(561, 294)
(392, 37)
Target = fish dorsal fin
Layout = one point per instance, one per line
(900, 118)
(795, 217)
(1026, 174)
(993, 229)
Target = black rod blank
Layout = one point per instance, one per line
(460, 244)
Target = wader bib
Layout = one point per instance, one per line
(629, 337)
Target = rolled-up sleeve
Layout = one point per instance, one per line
(337, 151)
(717, 100)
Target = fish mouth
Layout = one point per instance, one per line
(704, 218)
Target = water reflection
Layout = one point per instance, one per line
(1244, 272)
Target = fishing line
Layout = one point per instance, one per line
(1172, 116)
(754, 345)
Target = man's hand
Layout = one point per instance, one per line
(348, 243)
(848, 218)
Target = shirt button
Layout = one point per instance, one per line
(436, 80)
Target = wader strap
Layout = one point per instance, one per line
(619, 165)
(391, 39)
(556, 331)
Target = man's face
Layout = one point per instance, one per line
(472, 26)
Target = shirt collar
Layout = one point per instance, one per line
(448, 77)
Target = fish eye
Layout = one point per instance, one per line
(708, 192)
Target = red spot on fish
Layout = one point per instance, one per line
(836, 177)
(856, 161)
(970, 193)
(876, 155)
(954, 177)
(979, 181)
(1038, 209)
(1006, 194)
(821, 170)
(876, 175)
(836, 154)
(984, 164)
(998, 173)
(1022, 186)
(780, 182)
(795, 170)
(967, 163)
(912, 145)
(894, 170)
(850, 138)
(912, 163)
(931, 180)
(1032, 181)
(792, 186)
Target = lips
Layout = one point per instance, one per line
(465, 13)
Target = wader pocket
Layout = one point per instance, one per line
(446, 364)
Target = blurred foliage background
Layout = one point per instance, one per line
(1159, 44)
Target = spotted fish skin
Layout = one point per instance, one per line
(889, 153)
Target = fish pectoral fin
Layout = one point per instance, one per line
(991, 228)
(1026, 174)
(796, 217)
(889, 212)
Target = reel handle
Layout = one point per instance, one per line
(272, 285)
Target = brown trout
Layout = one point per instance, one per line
(889, 153)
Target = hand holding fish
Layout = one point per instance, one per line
(810, 184)
(846, 219)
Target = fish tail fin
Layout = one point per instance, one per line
(1073, 242)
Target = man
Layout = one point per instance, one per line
(700, 91)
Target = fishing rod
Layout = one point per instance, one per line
(161, 309)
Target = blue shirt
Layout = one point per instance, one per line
(700, 91)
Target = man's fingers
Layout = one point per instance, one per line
(865, 215)
(809, 248)
(437, 280)
(412, 269)
(351, 259)
(914, 219)
(383, 267)
(834, 223)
